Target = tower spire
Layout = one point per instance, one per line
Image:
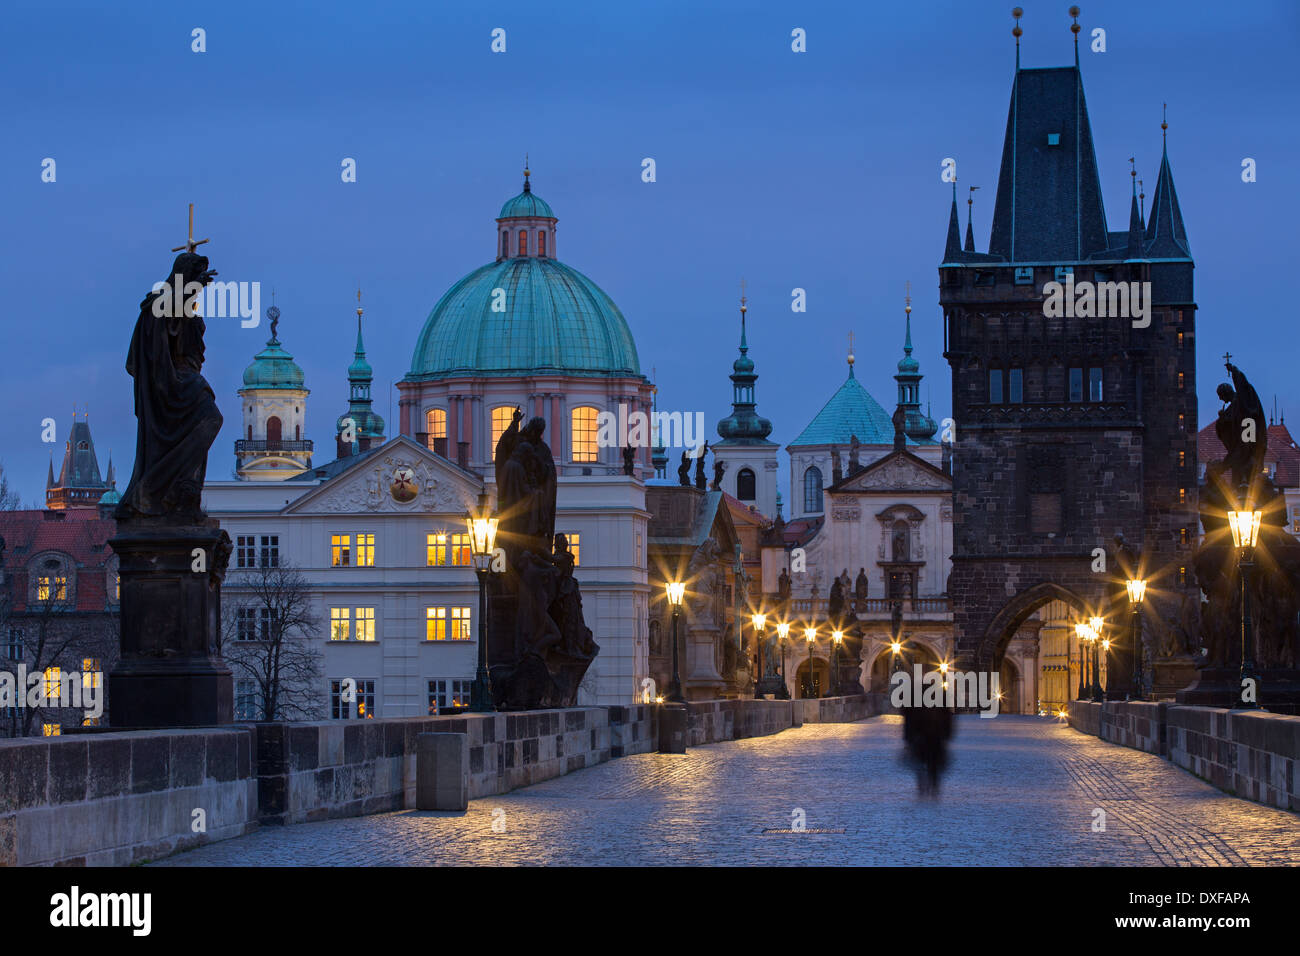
(952, 248)
(852, 359)
(527, 172)
(970, 232)
(1134, 216)
(1017, 13)
(1075, 28)
(744, 345)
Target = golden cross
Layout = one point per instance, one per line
(190, 244)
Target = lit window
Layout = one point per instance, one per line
(365, 550)
(1076, 384)
(436, 550)
(460, 625)
(435, 625)
(341, 707)
(1182, 496)
(541, 242)
(502, 416)
(435, 423)
(91, 676)
(365, 617)
(1182, 422)
(51, 730)
(51, 588)
(1180, 339)
(523, 242)
(91, 721)
(342, 547)
(340, 624)
(448, 693)
(1182, 575)
(583, 422)
(1180, 381)
(117, 587)
(575, 544)
(462, 555)
(53, 683)
(1182, 536)
(1182, 459)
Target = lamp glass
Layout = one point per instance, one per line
(1137, 589)
(676, 589)
(782, 630)
(759, 620)
(837, 636)
(810, 634)
(1096, 623)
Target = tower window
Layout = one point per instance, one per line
(435, 426)
(745, 485)
(1016, 386)
(583, 424)
(502, 416)
(1076, 384)
(812, 490)
(523, 242)
(1180, 382)
(505, 243)
(273, 428)
(541, 242)
(1094, 385)
(995, 386)
(1182, 422)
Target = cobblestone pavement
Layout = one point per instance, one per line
(1019, 791)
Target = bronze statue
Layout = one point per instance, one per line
(855, 448)
(860, 588)
(176, 411)
(835, 609)
(719, 468)
(1241, 413)
(684, 472)
(629, 461)
(699, 467)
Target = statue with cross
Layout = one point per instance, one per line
(176, 411)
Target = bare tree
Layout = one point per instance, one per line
(8, 496)
(269, 635)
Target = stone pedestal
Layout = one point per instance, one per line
(441, 771)
(1278, 690)
(1169, 675)
(169, 674)
(673, 723)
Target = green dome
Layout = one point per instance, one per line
(526, 204)
(555, 320)
(110, 497)
(273, 367)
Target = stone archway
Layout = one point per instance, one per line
(820, 673)
(1015, 612)
(1009, 685)
(914, 652)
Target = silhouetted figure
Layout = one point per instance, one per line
(926, 731)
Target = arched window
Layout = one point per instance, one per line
(501, 418)
(273, 430)
(745, 485)
(435, 423)
(902, 545)
(541, 242)
(583, 429)
(812, 490)
(250, 432)
(297, 433)
(505, 243)
(523, 242)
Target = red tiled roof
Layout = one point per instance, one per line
(79, 533)
(1282, 451)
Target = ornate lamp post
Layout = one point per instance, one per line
(1095, 626)
(482, 527)
(782, 632)
(810, 635)
(1137, 589)
(896, 655)
(1081, 632)
(1245, 535)
(676, 590)
(760, 677)
(837, 638)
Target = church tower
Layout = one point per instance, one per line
(273, 445)
(1075, 421)
(749, 455)
(918, 426)
(359, 428)
(79, 484)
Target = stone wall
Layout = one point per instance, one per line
(1251, 754)
(711, 721)
(113, 799)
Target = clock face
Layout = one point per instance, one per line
(402, 486)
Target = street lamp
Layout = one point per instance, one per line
(676, 590)
(810, 635)
(1245, 535)
(482, 527)
(837, 637)
(1095, 626)
(782, 632)
(758, 620)
(1137, 590)
(1081, 632)
(896, 655)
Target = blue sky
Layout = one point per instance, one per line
(817, 170)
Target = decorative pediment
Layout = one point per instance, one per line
(398, 478)
(897, 472)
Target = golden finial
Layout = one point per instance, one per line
(1075, 28)
(1016, 31)
(358, 301)
(1164, 118)
(527, 171)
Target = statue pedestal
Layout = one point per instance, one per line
(169, 674)
(1169, 675)
(1278, 690)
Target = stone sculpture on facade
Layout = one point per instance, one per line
(699, 467)
(684, 472)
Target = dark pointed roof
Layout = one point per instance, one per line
(1166, 237)
(952, 249)
(1049, 206)
(1134, 228)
